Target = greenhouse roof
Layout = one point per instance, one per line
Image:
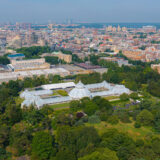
(59, 85)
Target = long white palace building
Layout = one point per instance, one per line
(77, 92)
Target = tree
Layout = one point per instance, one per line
(74, 105)
(13, 113)
(89, 79)
(4, 136)
(157, 121)
(52, 60)
(145, 104)
(125, 152)
(124, 116)
(20, 138)
(65, 154)
(103, 104)
(90, 108)
(75, 58)
(94, 59)
(54, 78)
(137, 125)
(42, 145)
(64, 119)
(114, 140)
(87, 150)
(155, 144)
(76, 139)
(94, 119)
(145, 118)
(132, 85)
(113, 120)
(103, 115)
(34, 51)
(154, 87)
(3, 154)
(101, 154)
(134, 95)
(157, 126)
(124, 97)
(144, 152)
(14, 87)
(143, 47)
(4, 60)
(33, 116)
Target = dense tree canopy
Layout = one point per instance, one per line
(86, 128)
(42, 145)
(101, 154)
(4, 60)
(34, 52)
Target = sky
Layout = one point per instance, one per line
(90, 11)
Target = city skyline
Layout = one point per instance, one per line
(40, 11)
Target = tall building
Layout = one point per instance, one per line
(16, 42)
(124, 29)
(109, 29)
(50, 26)
(66, 57)
(119, 28)
(114, 29)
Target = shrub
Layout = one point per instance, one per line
(134, 95)
(79, 123)
(90, 108)
(94, 119)
(79, 115)
(125, 118)
(103, 116)
(124, 97)
(139, 143)
(145, 118)
(137, 125)
(113, 120)
(74, 105)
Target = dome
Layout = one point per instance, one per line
(80, 85)
(79, 91)
(106, 85)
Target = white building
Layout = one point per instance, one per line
(79, 91)
(59, 85)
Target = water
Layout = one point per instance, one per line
(101, 25)
(128, 25)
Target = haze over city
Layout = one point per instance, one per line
(41, 11)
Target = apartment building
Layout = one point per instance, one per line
(156, 67)
(136, 55)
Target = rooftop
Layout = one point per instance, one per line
(79, 91)
(87, 66)
(16, 55)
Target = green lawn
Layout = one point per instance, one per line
(120, 103)
(55, 94)
(129, 128)
(111, 97)
(60, 106)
